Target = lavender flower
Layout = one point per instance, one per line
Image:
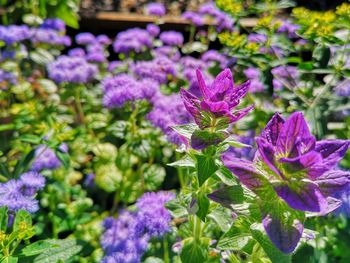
(171, 38)
(160, 69)
(257, 38)
(254, 74)
(246, 152)
(171, 53)
(218, 100)
(45, 158)
(155, 9)
(54, 23)
(7, 77)
(211, 56)
(168, 111)
(113, 65)
(76, 52)
(222, 20)
(49, 36)
(291, 165)
(195, 18)
(153, 30)
(289, 28)
(85, 38)
(287, 74)
(103, 40)
(342, 89)
(19, 194)
(14, 34)
(134, 39)
(125, 239)
(123, 88)
(344, 196)
(71, 69)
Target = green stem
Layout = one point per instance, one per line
(197, 228)
(180, 172)
(166, 250)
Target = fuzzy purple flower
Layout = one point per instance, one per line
(71, 69)
(132, 40)
(254, 74)
(103, 40)
(14, 34)
(195, 18)
(8, 77)
(300, 171)
(54, 23)
(49, 36)
(153, 30)
(213, 56)
(76, 52)
(257, 38)
(155, 9)
(172, 38)
(342, 89)
(45, 158)
(289, 28)
(171, 53)
(288, 74)
(85, 38)
(217, 101)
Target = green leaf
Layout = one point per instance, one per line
(30, 138)
(222, 217)
(37, 247)
(22, 165)
(3, 218)
(194, 251)
(41, 56)
(153, 260)
(236, 241)
(62, 251)
(185, 162)
(233, 143)
(153, 176)
(226, 176)
(178, 206)
(228, 195)
(185, 130)
(274, 253)
(9, 259)
(203, 206)
(22, 220)
(64, 158)
(206, 167)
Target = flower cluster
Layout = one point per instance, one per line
(20, 194)
(126, 239)
(155, 9)
(132, 40)
(284, 75)
(45, 158)
(71, 69)
(213, 56)
(254, 75)
(14, 34)
(171, 38)
(124, 88)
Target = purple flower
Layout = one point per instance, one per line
(288, 74)
(289, 28)
(171, 53)
(344, 196)
(153, 30)
(155, 9)
(300, 171)
(222, 20)
(342, 89)
(195, 18)
(246, 152)
(71, 69)
(211, 56)
(49, 36)
(134, 39)
(254, 74)
(14, 34)
(123, 88)
(168, 111)
(45, 158)
(257, 38)
(218, 100)
(103, 40)
(76, 52)
(113, 65)
(7, 77)
(85, 38)
(54, 23)
(31, 183)
(171, 38)
(160, 69)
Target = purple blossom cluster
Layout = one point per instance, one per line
(49, 36)
(7, 77)
(153, 30)
(245, 152)
(213, 56)
(160, 69)
(289, 28)
(254, 75)
(45, 158)
(284, 74)
(133, 40)
(124, 88)
(168, 111)
(257, 38)
(172, 38)
(54, 23)
(223, 21)
(171, 53)
(195, 18)
(126, 238)
(20, 194)
(14, 34)
(71, 69)
(155, 9)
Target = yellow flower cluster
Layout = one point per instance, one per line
(343, 10)
(232, 39)
(233, 7)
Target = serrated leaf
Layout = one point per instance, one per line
(153, 176)
(194, 252)
(185, 130)
(185, 162)
(206, 167)
(63, 250)
(37, 248)
(234, 241)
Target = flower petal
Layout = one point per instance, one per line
(237, 93)
(214, 107)
(273, 129)
(192, 104)
(245, 171)
(267, 154)
(294, 127)
(206, 93)
(285, 235)
(332, 151)
(305, 197)
(222, 85)
(333, 181)
(237, 115)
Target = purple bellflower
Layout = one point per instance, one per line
(292, 173)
